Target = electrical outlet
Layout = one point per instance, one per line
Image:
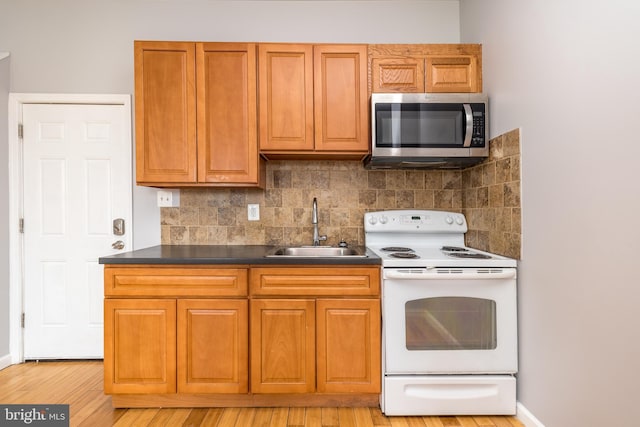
(168, 198)
(253, 212)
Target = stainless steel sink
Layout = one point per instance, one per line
(317, 252)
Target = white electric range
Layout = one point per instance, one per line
(449, 317)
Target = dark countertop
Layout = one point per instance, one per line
(221, 254)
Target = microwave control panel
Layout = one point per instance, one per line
(478, 135)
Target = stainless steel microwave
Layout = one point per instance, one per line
(428, 130)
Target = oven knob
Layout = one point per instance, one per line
(449, 220)
(373, 220)
(383, 219)
(459, 220)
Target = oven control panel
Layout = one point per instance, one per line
(426, 221)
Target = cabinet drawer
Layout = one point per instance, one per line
(321, 281)
(174, 281)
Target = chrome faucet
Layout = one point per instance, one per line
(314, 220)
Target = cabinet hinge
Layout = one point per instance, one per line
(22, 320)
(21, 225)
(20, 131)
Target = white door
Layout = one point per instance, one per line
(77, 181)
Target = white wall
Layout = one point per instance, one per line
(567, 72)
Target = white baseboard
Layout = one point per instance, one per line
(525, 417)
(5, 361)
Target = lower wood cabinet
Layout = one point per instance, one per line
(300, 331)
(283, 346)
(213, 346)
(140, 346)
(348, 345)
(169, 346)
(323, 345)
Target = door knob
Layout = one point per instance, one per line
(118, 244)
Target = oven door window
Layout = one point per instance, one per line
(450, 323)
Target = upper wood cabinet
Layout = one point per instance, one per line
(196, 118)
(165, 106)
(313, 100)
(426, 68)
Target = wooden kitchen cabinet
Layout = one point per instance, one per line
(233, 335)
(175, 343)
(348, 345)
(333, 341)
(283, 346)
(313, 100)
(212, 346)
(139, 346)
(426, 68)
(196, 118)
(165, 106)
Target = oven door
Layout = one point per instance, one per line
(450, 320)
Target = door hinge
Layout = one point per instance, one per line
(20, 131)
(22, 320)
(21, 225)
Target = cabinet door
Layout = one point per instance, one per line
(282, 346)
(348, 345)
(397, 74)
(227, 113)
(285, 80)
(165, 106)
(213, 354)
(340, 98)
(452, 74)
(139, 346)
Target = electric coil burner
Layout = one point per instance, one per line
(449, 322)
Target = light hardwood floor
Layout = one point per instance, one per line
(79, 384)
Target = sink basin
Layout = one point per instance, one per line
(317, 252)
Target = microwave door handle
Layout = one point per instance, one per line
(469, 131)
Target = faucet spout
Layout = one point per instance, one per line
(314, 221)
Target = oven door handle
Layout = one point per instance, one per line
(450, 274)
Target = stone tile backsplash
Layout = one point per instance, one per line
(488, 194)
(491, 198)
